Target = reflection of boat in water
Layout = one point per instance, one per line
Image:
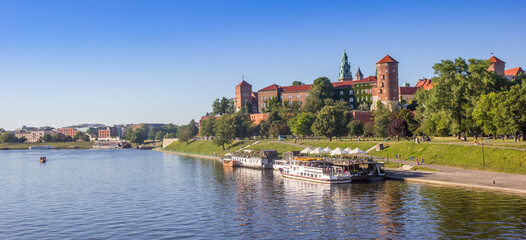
(42, 159)
(315, 170)
(259, 160)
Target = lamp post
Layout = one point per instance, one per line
(482, 142)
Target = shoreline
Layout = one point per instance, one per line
(480, 180)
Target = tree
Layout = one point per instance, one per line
(264, 129)
(442, 132)
(511, 117)
(85, 138)
(207, 127)
(368, 129)
(381, 120)
(398, 128)
(330, 122)
(295, 83)
(225, 130)
(407, 115)
(159, 135)
(68, 138)
(278, 128)
(320, 90)
(129, 133)
(22, 139)
(7, 137)
(272, 104)
(185, 135)
(355, 128)
(486, 112)
(302, 123)
(46, 138)
(169, 135)
(193, 128)
(58, 137)
(139, 135)
(364, 106)
(223, 106)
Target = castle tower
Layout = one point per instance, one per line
(359, 75)
(386, 90)
(345, 69)
(243, 94)
(497, 66)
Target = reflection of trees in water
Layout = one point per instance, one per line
(389, 209)
(477, 214)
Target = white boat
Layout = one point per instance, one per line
(279, 164)
(260, 160)
(315, 170)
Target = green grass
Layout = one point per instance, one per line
(263, 145)
(56, 145)
(463, 156)
(206, 147)
(364, 145)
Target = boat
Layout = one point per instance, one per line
(315, 170)
(364, 170)
(254, 159)
(42, 159)
(230, 163)
(40, 147)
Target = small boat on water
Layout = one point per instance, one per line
(42, 159)
(230, 163)
(315, 170)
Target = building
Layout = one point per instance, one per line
(386, 90)
(109, 132)
(407, 94)
(68, 131)
(497, 65)
(424, 83)
(512, 73)
(34, 136)
(245, 97)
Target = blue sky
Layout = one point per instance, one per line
(71, 62)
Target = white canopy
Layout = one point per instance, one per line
(327, 149)
(306, 150)
(357, 151)
(228, 154)
(338, 151)
(348, 149)
(318, 150)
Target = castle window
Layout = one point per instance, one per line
(382, 84)
(341, 92)
(306, 94)
(298, 96)
(383, 77)
(380, 91)
(350, 92)
(290, 96)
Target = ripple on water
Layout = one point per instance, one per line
(143, 194)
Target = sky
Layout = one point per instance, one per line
(113, 62)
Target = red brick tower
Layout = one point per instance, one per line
(497, 66)
(386, 90)
(243, 95)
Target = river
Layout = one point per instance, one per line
(134, 194)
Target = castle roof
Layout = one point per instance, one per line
(270, 88)
(513, 72)
(424, 83)
(242, 83)
(297, 88)
(495, 60)
(359, 73)
(408, 90)
(387, 59)
(365, 80)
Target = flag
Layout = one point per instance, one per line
(491, 53)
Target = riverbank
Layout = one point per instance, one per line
(187, 154)
(55, 145)
(440, 174)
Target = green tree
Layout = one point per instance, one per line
(139, 135)
(486, 112)
(225, 130)
(381, 120)
(364, 106)
(278, 128)
(207, 127)
(22, 139)
(368, 129)
(193, 128)
(159, 135)
(302, 123)
(185, 135)
(295, 83)
(264, 129)
(320, 90)
(407, 115)
(169, 135)
(511, 117)
(46, 138)
(223, 106)
(7, 137)
(442, 132)
(330, 122)
(58, 137)
(355, 128)
(272, 104)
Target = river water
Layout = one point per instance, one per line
(134, 194)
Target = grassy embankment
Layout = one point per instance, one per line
(56, 145)
(463, 156)
(205, 147)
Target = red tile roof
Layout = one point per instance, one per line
(270, 88)
(367, 79)
(407, 90)
(387, 59)
(513, 72)
(243, 83)
(495, 59)
(424, 83)
(297, 88)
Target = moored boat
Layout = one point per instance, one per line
(252, 159)
(315, 170)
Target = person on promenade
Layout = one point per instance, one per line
(422, 161)
(416, 160)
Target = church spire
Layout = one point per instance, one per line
(359, 75)
(345, 69)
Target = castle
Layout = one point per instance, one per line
(354, 92)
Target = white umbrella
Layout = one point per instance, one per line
(318, 150)
(306, 150)
(327, 149)
(357, 151)
(348, 149)
(338, 151)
